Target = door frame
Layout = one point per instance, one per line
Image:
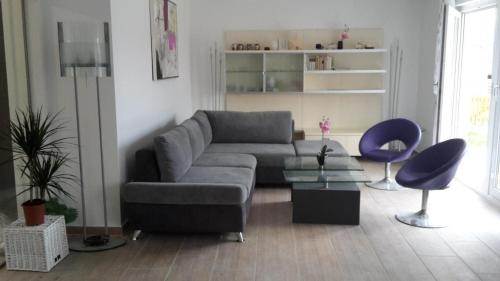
(453, 65)
(494, 139)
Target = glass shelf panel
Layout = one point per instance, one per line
(244, 82)
(284, 81)
(244, 62)
(284, 62)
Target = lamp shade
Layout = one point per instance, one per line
(84, 45)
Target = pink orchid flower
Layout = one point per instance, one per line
(344, 35)
(325, 125)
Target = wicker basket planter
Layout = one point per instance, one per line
(35, 248)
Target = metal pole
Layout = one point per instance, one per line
(219, 94)
(103, 177)
(26, 54)
(84, 219)
(215, 76)
(211, 79)
(396, 105)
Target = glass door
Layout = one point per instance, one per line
(244, 73)
(284, 72)
(467, 101)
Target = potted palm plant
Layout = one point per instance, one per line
(38, 149)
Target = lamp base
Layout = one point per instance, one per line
(96, 243)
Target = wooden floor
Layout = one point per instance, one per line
(275, 249)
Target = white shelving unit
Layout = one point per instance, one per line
(350, 94)
(314, 51)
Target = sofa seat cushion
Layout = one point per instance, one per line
(199, 186)
(268, 155)
(312, 147)
(226, 160)
(237, 182)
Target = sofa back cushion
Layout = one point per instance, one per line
(251, 127)
(202, 119)
(196, 137)
(173, 154)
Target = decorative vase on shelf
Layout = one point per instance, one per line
(340, 45)
(271, 83)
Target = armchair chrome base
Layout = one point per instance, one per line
(387, 184)
(421, 219)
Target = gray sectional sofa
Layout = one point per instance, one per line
(200, 176)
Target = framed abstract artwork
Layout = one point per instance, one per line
(164, 39)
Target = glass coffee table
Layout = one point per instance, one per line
(327, 196)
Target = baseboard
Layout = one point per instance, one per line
(73, 230)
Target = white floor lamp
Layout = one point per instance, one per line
(86, 47)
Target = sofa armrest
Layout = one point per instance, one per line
(184, 193)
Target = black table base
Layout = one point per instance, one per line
(326, 206)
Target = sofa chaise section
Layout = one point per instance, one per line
(183, 190)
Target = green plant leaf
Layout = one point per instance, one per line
(38, 147)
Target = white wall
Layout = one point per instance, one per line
(135, 108)
(145, 107)
(426, 100)
(399, 19)
(56, 93)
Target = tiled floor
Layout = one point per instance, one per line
(380, 248)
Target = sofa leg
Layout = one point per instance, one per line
(136, 234)
(233, 236)
(240, 237)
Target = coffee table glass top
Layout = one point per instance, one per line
(332, 186)
(325, 176)
(331, 163)
(336, 170)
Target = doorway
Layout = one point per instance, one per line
(8, 209)
(8, 204)
(467, 102)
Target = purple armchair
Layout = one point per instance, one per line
(432, 169)
(382, 133)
